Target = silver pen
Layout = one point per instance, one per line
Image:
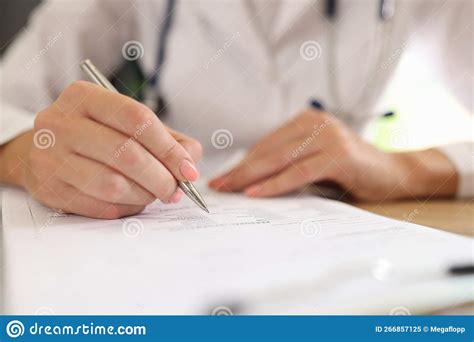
(95, 75)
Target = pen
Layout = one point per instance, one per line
(316, 104)
(96, 76)
(462, 269)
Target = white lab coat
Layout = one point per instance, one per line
(226, 69)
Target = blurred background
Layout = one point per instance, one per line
(417, 99)
(13, 15)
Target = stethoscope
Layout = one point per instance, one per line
(385, 12)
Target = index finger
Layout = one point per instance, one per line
(133, 119)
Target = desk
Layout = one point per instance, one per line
(456, 216)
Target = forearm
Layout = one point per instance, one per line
(13, 159)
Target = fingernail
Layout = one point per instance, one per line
(176, 197)
(189, 171)
(221, 184)
(253, 190)
(216, 182)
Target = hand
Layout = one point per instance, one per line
(315, 147)
(101, 154)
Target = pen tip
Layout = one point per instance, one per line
(189, 189)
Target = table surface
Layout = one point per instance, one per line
(456, 216)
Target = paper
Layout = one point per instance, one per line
(283, 255)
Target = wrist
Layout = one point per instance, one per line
(13, 156)
(429, 173)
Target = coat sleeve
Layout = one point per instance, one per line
(446, 28)
(457, 71)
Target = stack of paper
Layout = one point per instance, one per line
(303, 255)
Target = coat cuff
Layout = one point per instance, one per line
(461, 155)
